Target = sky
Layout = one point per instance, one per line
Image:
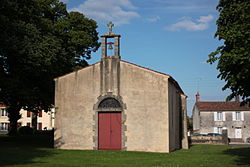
(170, 36)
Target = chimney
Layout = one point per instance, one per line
(237, 98)
(197, 97)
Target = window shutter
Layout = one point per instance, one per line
(242, 115)
(215, 130)
(234, 116)
(223, 116)
(215, 116)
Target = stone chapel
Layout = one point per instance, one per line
(118, 105)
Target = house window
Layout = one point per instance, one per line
(39, 126)
(28, 124)
(4, 126)
(4, 112)
(40, 114)
(238, 116)
(28, 113)
(218, 130)
(219, 116)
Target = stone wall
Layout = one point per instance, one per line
(206, 140)
(210, 139)
(145, 115)
(246, 126)
(184, 122)
(174, 118)
(207, 123)
(75, 95)
(145, 94)
(196, 118)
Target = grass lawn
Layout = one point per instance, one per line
(37, 151)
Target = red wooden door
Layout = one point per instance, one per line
(104, 130)
(109, 131)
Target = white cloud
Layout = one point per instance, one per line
(153, 19)
(186, 23)
(205, 19)
(117, 11)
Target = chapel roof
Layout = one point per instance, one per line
(221, 106)
(171, 79)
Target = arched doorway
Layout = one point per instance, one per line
(109, 125)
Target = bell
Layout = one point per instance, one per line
(110, 47)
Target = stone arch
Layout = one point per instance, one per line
(109, 103)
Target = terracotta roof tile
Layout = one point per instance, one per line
(2, 105)
(221, 106)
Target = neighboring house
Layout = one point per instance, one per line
(117, 105)
(45, 121)
(213, 117)
(4, 123)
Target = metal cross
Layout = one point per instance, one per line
(110, 25)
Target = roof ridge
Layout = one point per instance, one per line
(76, 70)
(221, 106)
(171, 78)
(146, 68)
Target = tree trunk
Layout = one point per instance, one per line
(34, 120)
(14, 116)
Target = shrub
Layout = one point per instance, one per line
(25, 130)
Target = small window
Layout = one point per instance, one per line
(28, 113)
(219, 116)
(4, 126)
(219, 130)
(238, 116)
(28, 124)
(40, 126)
(40, 114)
(4, 112)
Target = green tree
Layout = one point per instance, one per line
(233, 27)
(39, 41)
(190, 123)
